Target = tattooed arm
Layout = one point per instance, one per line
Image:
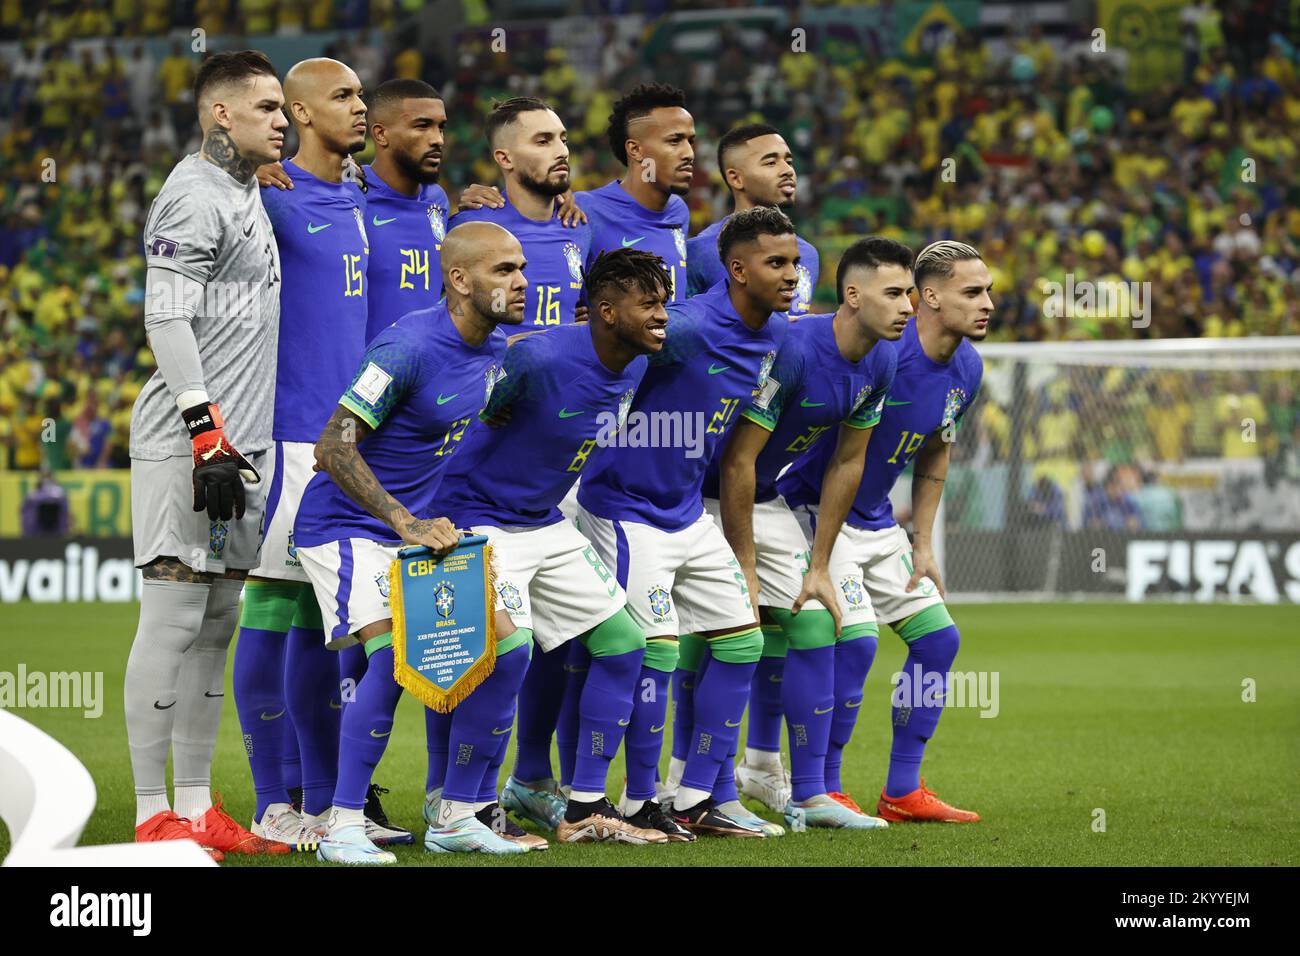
(337, 454)
(220, 150)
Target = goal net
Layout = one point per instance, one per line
(1167, 469)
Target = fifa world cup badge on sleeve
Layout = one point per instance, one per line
(444, 626)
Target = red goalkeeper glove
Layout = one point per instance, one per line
(219, 470)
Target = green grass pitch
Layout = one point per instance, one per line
(1136, 711)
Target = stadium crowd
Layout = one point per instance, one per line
(1045, 160)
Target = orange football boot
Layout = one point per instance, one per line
(166, 825)
(844, 800)
(921, 806)
(216, 829)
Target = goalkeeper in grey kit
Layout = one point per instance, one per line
(200, 431)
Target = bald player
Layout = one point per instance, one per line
(420, 384)
(325, 250)
(211, 314)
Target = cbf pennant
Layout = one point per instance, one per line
(444, 627)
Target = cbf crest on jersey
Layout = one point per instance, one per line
(679, 241)
(444, 625)
(802, 290)
(361, 228)
(573, 257)
(624, 406)
(860, 398)
(952, 405)
(493, 375)
(437, 224)
(765, 369)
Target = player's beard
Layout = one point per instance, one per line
(415, 168)
(544, 187)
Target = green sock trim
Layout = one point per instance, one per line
(307, 613)
(855, 631)
(807, 630)
(378, 643)
(270, 605)
(613, 636)
(743, 648)
(661, 654)
(775, 643)
(521, 636)
(931, 619)
(690, 651)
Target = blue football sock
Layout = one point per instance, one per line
(809, 699)
(367, 724)
(606, 710)
(763, 730)
(683, 687)
(290, 761)
(479, 722)
(852, 662)
(311, 691)
(352, 667)
(724, 789)
(539, 710)
(916, 715)
(566, 729)
(645, 730)
(720, 699)
(258, 679)
(437, 737)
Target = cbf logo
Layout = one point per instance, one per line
(492, 376)
(624, 405)
(680, 242)
(361, 228)
(765, 368)
(437, 224)
(217, 531)
(290, 547)
(952, 405)
(802, 290)
(510, 596)
(661, 605)
(861, 397)
(573, 256)
(381, 582)
(852, 588)
(444, 598)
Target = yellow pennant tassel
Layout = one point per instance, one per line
(407, 677)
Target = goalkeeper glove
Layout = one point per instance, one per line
(219, 470)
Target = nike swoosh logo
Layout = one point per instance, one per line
(249, 231)
(498, 733)
(158, 706)
(775, 678)
(565, 413)
(207, 455)
(629, 245)
(891, 404)
(732, 723)
(376, 221)
(385, 734)
(852, 704)
(570, 669)
(315, 229)
(807, 404)
(715, 371)
(687, 686)
(206, 694)
(818, 710)
(657, 730)
(265, 716)
(334, 706)
(444, 401)
(624, 723)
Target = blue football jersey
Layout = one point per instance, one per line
(620, 222)
(406, 234)
(812, 389)
(709, 370)
(555, 255)
(419, 387)
(324, 257)
(926, 397)
(704, 267)
(564, 403)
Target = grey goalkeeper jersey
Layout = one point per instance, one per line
(206, 226)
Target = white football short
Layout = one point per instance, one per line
(164, 523)
(551, 579)
(350, 579)
(871, 569)
(677, 582)
(781, 552)
(291, 467)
